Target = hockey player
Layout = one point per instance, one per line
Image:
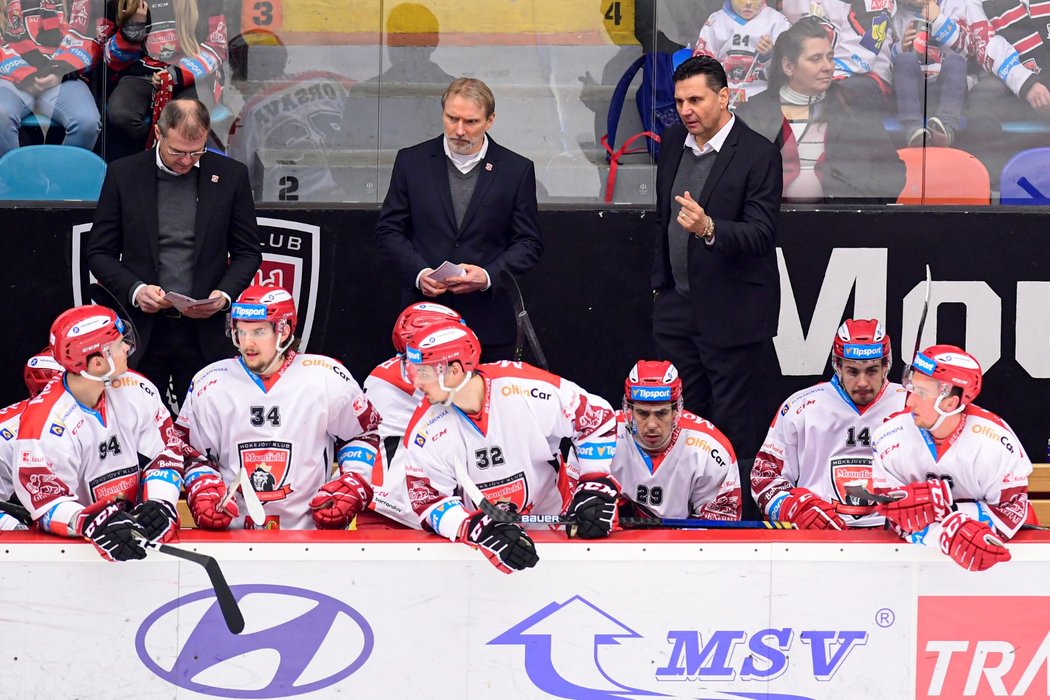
(671, 463)
(38, 371)
(820, 439)
(503, 423)
(79, 444)
(278, 415)
(958, 472)
(394, 396)
(741, 36)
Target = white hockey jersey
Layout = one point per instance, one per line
(696, 476)
(10, 417)
(982, 460)
(733, 40)
(863, 34)
(820, 440)
(282, 430)
(396, 400)
(510, 449)
(67, 455)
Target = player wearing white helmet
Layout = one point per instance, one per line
(504, 423)
(671, 463)
(396, 399)
(958, 473)
(820, 439)
(281, 417)
(79, 443)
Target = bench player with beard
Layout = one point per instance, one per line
(504, 424)
(669, 462)
(820, 439)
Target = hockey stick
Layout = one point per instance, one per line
(922, 317)
(858, 491)
(524, 323)
(102, 296)
(16, 511)
(251, 499)
(503, 516)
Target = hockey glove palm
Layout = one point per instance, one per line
(594, 506)
(920, 504)
(158, 519)
(971, 543)
(808, 512)
(339, 501)
(111, 530)
(204, 495)
(507, 546)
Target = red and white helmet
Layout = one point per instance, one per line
(861, 339)
(259, 303)
(444, 343)
(417, 317)
(83, 331)
(653, 381)
(952, 367)
(39, 370)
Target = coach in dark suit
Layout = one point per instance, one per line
(167, 220)
(464, 198)
(716, 290)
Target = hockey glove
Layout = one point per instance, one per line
(339, 501)
(507, 546)
(593, 506)
(806, 511)
(920, 504)
(203, 497)
(111, 530)
(971, 543)
(158, 519)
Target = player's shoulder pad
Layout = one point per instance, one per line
(989, 425)
(798, 402)
(894, 423)
(692, 423)
(419, 424)
(44, 415)
(133, 380)
(323, 363)
(389, 372)
(518, 370)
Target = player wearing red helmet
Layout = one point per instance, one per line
(395, 397)
(275, 413)
(671, 463)
(504, 423)
(79, 443)
(958, 473)
(820, 439)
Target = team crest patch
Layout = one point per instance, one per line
(845, 471)
(123, 483)
(267, 463)
(511, 493)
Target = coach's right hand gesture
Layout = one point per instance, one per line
(150, 298)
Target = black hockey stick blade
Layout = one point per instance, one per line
(524, 323)
(858, 491)
(231, 612)
(922, 317)
(703, 523)
(16, 511)
(102, 296)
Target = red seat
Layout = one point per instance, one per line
(944, 176)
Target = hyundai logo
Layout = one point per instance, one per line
(321, 643)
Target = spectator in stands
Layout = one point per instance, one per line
(832, 149)
(929, 70)
(167, 49)
(176, 219)
(47, 50)
(463, 198)
(741, 36)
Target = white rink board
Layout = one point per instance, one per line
(710, 620)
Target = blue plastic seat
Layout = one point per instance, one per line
(51, 173)
(1025, 180)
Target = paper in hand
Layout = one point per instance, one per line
(183, 302)
(446, 271)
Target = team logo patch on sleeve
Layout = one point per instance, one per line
(57, 429)
(847, 470)
(267, 463)
(7, 434)
(420, 440)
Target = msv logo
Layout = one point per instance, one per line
(314, 642)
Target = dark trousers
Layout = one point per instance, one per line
(719, 383)
(172, 357)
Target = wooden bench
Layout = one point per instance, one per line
(1039, 492)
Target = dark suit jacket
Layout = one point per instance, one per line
(500, 231)
(122, 245)
(734, 283)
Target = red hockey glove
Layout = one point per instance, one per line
(507, 546)
(972, 544)
(339, 501)
(107, 526)
(594, 506)
(158, 519)
(921, 503)
(809, 512)
(203, 497)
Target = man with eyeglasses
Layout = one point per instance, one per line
(957, 474)
(167, 221)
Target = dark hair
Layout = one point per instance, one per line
(187, 116)
(706, 66)
(789, 45)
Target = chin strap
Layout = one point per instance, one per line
(944, 414)
(105, 378)
(467, 376)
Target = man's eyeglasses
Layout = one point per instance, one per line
(185, 154)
